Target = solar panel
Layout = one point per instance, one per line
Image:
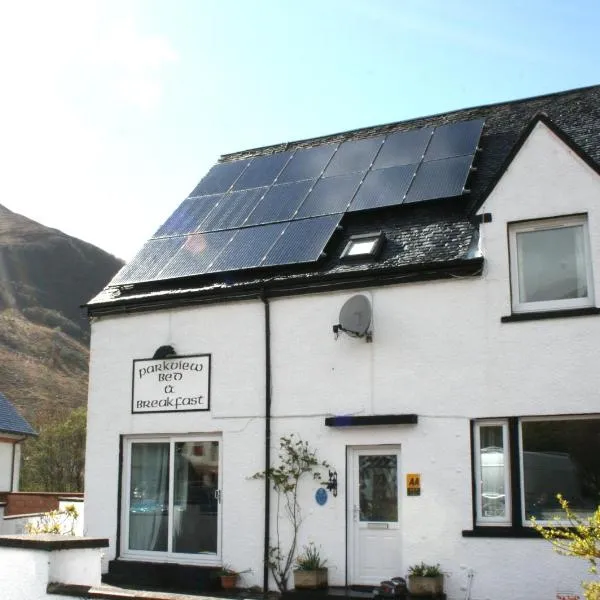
(302, 241)
(403, 148)
(384, 187)
(220, 178)
(148, 262)
(280, 202)
(196, 253)
(354, 156)
(440, 179)
(191, 212)
(232, 209)
(247, 248)
(330, 196)
(262, 171)
(307, 163)
(283, 208)
(454, 139)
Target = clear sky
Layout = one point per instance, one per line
(111, 111)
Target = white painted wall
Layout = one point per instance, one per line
(234, 334)
(25, 573)
(6, 458)
(439, 350)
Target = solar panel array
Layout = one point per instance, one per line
(283, 208)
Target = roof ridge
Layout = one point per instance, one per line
(337, 136)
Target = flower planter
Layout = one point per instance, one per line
(228, 582)
(310, 580)
(426, 586)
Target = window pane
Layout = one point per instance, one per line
(551, 264)
(561, 457)
(195, 510)
(361, 247)
(492, 476)
(149, 496)
(378, 481)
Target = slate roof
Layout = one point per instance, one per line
(11, 421)
(418, 237)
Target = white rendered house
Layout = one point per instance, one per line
(463, 402)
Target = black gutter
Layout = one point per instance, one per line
(267, 442)
(291, 287)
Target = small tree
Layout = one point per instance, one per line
(55, 460)
(581, 538)
(296, 459)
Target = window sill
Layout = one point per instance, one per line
(501, 532)
(551, 314)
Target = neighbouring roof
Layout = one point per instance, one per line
(421, 238)
(11, 421)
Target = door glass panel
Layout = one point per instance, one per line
(195, 503)
(378, 487)
(149, 496)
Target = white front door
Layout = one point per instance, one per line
(374, 542)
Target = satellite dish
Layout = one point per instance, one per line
(355, 316)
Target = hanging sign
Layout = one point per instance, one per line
(413, 484)
(177, 384)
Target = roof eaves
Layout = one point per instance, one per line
(285, 286)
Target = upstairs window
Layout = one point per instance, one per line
(550, 264)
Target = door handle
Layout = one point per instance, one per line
(218, 495)
(355, 513)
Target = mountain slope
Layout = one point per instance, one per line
(45, 276)
(44, 271)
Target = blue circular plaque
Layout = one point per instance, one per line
(321, 496)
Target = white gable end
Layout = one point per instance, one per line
(546, 178)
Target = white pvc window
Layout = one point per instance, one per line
(559, 456)
(492, 473)
(171, 499)
(550, 264)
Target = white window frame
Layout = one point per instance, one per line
(506, 520)
(546, 224)
(158, 556)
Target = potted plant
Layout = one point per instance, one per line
(311, 570)
(229, 576)
(425, 580)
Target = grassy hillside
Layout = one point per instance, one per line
(45, 277)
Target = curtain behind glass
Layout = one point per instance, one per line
(149, 496)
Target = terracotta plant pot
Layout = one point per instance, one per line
(310, 580)
(228, 582)
(426, 586)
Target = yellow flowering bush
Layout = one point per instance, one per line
(580, 538)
